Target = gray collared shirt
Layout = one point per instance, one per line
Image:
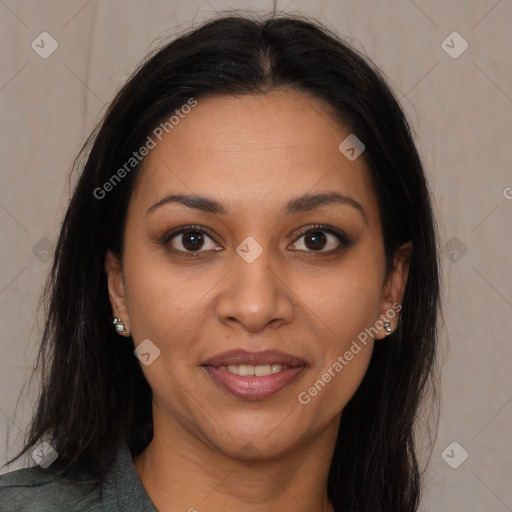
(35, 490)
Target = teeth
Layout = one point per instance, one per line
(277, 368)
(247, 370)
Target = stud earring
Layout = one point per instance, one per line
(387, 326)
(119, 326)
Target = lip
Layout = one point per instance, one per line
(254, 387)
(237, 357)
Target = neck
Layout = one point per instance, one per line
(181, 471)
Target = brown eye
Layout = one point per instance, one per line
(192, 240)
(316, 240)
(188, 240)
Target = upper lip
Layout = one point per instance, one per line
(237, 357)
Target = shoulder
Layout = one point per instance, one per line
(34, 489)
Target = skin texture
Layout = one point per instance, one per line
(211, 450)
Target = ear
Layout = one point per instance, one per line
(393, 290)
(116, 290)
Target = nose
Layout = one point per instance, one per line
(257, 294)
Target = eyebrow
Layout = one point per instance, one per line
(306, 202)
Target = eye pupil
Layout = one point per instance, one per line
(195, 238)
(318, 240)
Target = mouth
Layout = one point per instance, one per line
(254, 376)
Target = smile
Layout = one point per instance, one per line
(247, 370)
(254, 375)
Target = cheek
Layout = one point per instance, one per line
(161, 297)
(345, 298)
(327, 394)
(152, 304)
(345, 303)
(171, 307)
(166, 307)
(345, 315)
(342, 355)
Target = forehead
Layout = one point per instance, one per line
(254, 150)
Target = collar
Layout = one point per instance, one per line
(123, 488)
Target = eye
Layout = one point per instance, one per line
(191, 239)
(320, 237)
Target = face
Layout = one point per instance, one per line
(263, 269)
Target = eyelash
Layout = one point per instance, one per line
(342, 237)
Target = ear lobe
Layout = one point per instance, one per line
(116, 288)
(394, 289)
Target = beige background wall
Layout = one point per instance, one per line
(461, 109)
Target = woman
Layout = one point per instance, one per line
(242, 311)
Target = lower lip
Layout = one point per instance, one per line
(252, 387)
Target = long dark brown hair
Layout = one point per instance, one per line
(94, 394)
